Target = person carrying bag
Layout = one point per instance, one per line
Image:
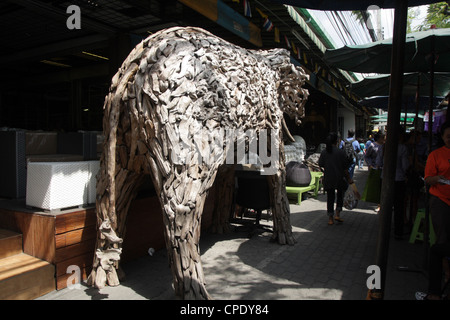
(372, 189)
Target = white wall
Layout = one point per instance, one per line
(349, 119)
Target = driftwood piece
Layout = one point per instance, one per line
(184, 103)
(223, 199)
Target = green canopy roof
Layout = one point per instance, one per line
(375, 57)
(379, 85)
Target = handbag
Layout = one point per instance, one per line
(372, 190)
(351, 197)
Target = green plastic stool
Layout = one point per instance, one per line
(418, 235)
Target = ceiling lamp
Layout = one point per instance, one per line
(56, 64)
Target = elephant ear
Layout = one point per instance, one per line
(291, 92)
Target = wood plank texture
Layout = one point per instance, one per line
(25, 277)
(10, 243)
(37, 231)
(74, 250)
(75, 220)
(76, 236)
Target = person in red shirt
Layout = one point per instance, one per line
(437, 175)
(437, 170)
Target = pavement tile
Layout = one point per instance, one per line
(326, 263)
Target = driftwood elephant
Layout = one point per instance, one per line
(178, 108)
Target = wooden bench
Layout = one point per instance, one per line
(313, 186)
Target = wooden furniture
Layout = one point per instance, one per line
(313, 186)
(67, 237)
(22, 276)
(62, 239)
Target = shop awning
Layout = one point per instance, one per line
(408, 103)
(302, 23)
(383, 118)
(375, 57)
(412, 83)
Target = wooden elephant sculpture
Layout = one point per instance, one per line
(167, 115)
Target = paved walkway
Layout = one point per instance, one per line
(327, 262)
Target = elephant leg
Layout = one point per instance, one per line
(223, 199)
(127, 187)
(282, 229)
(183, 197)
(111, 217)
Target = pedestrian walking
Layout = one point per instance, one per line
(369, 141)
(373, 155)
(336, 176)
(351, 147)
(360, 155)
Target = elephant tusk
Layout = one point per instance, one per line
(286, 130)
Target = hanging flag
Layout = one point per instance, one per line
(268, 25)
(294, 48)
(247, 9)
(277, 35)
(298, 54)
(304, 58)
(288, 45)
(262, 14)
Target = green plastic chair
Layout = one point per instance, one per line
(417, 231)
